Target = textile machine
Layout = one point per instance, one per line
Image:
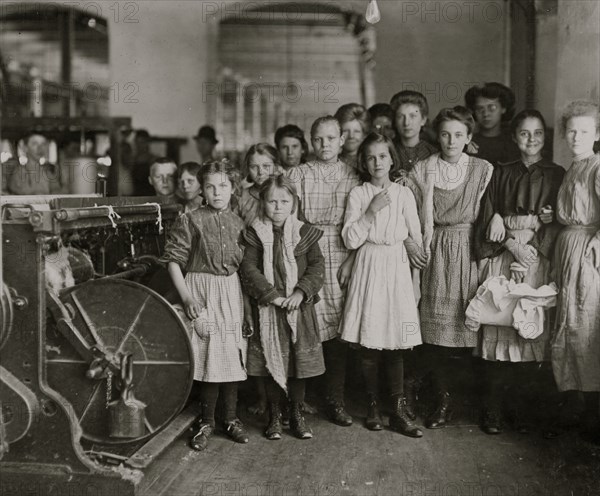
(95, 367)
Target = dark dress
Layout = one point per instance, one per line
(497, 150)
(409, 156)
(518, 193)
(305, 357)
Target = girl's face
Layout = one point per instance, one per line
(217, 189)
(379, 161)
(453, 136)
(529, 137)
(581, 133)
(278, 205)
(353, 135)
(290, 150)
(488, 112)
(327, 142)
(409, 120)
(260, 167)
(189, 186)
(383, 125)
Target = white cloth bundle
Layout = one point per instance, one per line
(502, 302)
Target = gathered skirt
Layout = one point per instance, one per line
(380, 310)
(576, 343)
(504, 343)
(220, 351)
(448, 283)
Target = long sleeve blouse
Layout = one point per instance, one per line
(206, 240)
(518, 190)
(392, 224)
(579, 196)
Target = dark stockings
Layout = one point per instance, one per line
(209, 394)
(335, 353)
(394, 366)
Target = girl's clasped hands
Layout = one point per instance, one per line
(291, 303)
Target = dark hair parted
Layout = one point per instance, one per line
(278, 182)
(372, 139)
(492, 91)
(458, 113)
(353, 112)
(328, 119)
(381, 110)
(220, 167)
(579, 108)
(292, 131)
(260, 149)
(525, 114)
(410, 96)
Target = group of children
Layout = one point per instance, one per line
(379, 242)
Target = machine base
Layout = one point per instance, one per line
(20, 479)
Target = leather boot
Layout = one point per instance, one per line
(337, 414)
(440, 416)
(373, 421)
(399, 420)
(491, 422)
(274, 429)
(297, 423)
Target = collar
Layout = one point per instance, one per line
(317, 162)
(217, 211)
(462, 161)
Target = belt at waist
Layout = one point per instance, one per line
(456, 227)
(592, 228)
(527, 229)
(383, 245)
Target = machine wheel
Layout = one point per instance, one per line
(125, 317)
(6, 314)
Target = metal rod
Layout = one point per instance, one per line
(87, 319)
(133, 325)
(70, 214)
(137, 271)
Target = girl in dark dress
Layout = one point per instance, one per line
(282, 272)
(516, 236)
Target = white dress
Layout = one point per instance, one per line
(380, 310)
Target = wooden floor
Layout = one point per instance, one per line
(455, 461)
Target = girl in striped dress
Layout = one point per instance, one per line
(323, 186)
(448, 187)
(205, 243)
